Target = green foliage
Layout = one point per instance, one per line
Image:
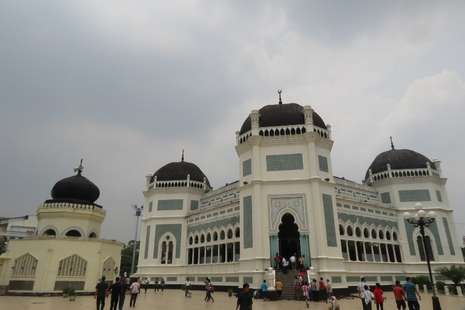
(69, 291)
(421, 280)
(454, 273)
(126, 256)
(440, 285)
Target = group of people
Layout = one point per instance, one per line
(293, 262)
(404, 295)
(117, 290)
(321, 290)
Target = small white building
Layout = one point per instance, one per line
(287, 201)
(66, 250)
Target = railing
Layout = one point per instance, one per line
(59, 205)
(284, 131)
(176, 183)
(402, 173)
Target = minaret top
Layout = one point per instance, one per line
(182, 155)
(392, 144)
(79, 169)
(279, 94)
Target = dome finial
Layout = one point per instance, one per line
(182, 155)
(279, 93)
(392, 143)
(80, 168)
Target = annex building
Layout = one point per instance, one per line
(66, 250)
(287, 200)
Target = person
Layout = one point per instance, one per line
(264, 290)
(187, 286)
(361, 287)
(367, 298)
(333, 303)
(277, 261)
(124, 287)
(399, 296)
(285, 265)
(135, 289)
(244, 298)
(322, 289)
(297, 284)
(279, 287)
(145, 284)
(115, 293)
(329, 290)
(300, 262)
(411, 293)
(293, 260)
(101, 290)
(156, 286)
(314, 290)
(379, 297)
(305, 289)
(162, 285)
(208, 291)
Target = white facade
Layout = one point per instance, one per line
(345, 229)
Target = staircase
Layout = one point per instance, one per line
(288, 280)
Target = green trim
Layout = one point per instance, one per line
(169, 204)
(414, 195)
(435, 231)
(248, 222)
(284, 162)
(247, 167)
(329, 220)
(212, 225)
(232, 279)
(160, 230)
(365, 220)
(248, 280)
(323, 163)
(449, 236)
(409, 228)
(194, 204)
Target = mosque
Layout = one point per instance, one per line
(287, 200)
(66, 250)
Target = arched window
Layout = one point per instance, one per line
(170, 253)
(215, 236)
(388, 235)
(191, 240)
(237, 232)
(92, 235)
(202, 238)
(425, 249)
(358, 232)
(366, 234)
(196, 240)
(394, 236)
(50, 233)
(25, 266)
(109, 268)
(350, 232)
(163, 252)
(230, 233)
(373, 234)
(222, 235)
(341, 230)
(73, 233)
(209, 237)
(381, 235)
(72, 266)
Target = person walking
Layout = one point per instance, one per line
(135, 289)
(264, 290)
(208, 291)
(314, 290)
(329, 290)
(187, 286)
(322, 290)
(379, 297)
(305, 293)
(293, 261)
(277, 261)
(244, 298)
(162, 285)
(367, 298)
(115, 293)
(156, 286)
(413, 296)
(279, 287)
(284, 265)
(101, 291)
(399, 296)
(301, 262)
(145, 285)
(361, 287)
(124, 281)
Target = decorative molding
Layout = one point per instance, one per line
(282, 204)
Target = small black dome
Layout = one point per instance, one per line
(178, 171)
(399, 159)
(75, 189)
(281, 115)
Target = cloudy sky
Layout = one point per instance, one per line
(127, 84)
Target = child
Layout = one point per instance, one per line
(305, 289)
(333, 303)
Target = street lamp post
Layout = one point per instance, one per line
(138, 214)
(423, 219)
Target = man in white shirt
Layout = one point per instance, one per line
(187, 285)
(293, 260)
(361, 289)
(135, 289)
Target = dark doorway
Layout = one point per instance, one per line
(288, 235)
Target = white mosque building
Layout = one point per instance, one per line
(66, 251)
(287, 200)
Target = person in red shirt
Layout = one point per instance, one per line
(399, 295)
(379, 296)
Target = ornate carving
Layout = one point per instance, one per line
(281, 205)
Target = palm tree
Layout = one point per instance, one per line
(454, 273)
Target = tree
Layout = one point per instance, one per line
(454, 273)
(126, 257)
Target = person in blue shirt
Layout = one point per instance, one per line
(264, 290)
(411, 293)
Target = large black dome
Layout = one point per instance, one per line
(178, 171)
(398, 159)
(75, 189)
(282, 115)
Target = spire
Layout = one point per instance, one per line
(392, 143)
(79, 168)
(279, 93)
(182, 156)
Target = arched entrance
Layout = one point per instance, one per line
(289, 237)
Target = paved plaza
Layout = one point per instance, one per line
(175, 300)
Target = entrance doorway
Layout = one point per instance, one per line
(289, 238)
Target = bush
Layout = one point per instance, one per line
(422, 280)
(440, 286)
